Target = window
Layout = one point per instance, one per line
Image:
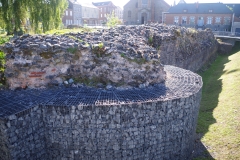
(144, 1)
(176, 20)
(227, 20)
(210, 10)
(192, 20)
(184, 10)
(137, 5)
(129, 14)
(70, 13)
(209, 20)
(101, 15)
(184, 20)
(218, 19)
(66, 13)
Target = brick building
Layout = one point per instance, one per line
(216, 16)
(119, 13)
(72, 15)
(144, 11)
(90, 14)
(105, 8)
(236, 22)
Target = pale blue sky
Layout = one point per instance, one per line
(121, 3)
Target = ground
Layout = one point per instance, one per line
(219, 117)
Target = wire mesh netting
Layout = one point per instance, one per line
(179, 83)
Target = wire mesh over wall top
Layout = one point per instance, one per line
(179, 83)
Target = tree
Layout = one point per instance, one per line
(16, 12)
(112, 20)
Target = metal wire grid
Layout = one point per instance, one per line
(182, 83)
(13, 102)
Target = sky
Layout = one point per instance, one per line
(121, 3)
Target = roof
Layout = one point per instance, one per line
(181, 1)
(83, 3)
(163, 1)
(75, 2)
(214, 8)
(101, 3)
(88, 4)
(235, 8)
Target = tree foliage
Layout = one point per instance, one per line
(112, 20)
(15, 13)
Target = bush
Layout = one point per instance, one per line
(2, 63)
(112, 20)
(4, 40)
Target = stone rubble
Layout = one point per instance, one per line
(126, 56)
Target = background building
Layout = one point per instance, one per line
(90, 14)
(105, 8)
(72, 15)
(216, 16)
(144, 11)
(235, 8)
(119, 13)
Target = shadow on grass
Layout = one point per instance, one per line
(212, 87)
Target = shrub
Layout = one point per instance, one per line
(2, 67)
(4, 40)
(72, 50)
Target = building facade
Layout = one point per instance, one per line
(90, 14)
(144, 11)
(105, 8)
(67, 18)
(236, 21)
(72, 15)
(119, 13)
(216, 16)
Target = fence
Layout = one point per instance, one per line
(224, 33)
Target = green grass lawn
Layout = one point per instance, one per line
(219, 116)
(63, 31)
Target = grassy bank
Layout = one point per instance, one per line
(63, 31)
(219, 116)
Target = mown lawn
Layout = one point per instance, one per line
(219, 116)
(63, 31)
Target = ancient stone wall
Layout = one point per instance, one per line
(187, 48)
(124, 56)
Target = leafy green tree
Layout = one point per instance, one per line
(47, 12)
(112, 20)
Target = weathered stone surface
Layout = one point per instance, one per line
(224, 48)
(187, 48)
(125, 56)
(84, 57)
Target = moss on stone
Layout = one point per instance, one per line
(72, 50)
(94, 81)
(27, 52)
(46, 55)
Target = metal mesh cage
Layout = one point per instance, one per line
(179, 83)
